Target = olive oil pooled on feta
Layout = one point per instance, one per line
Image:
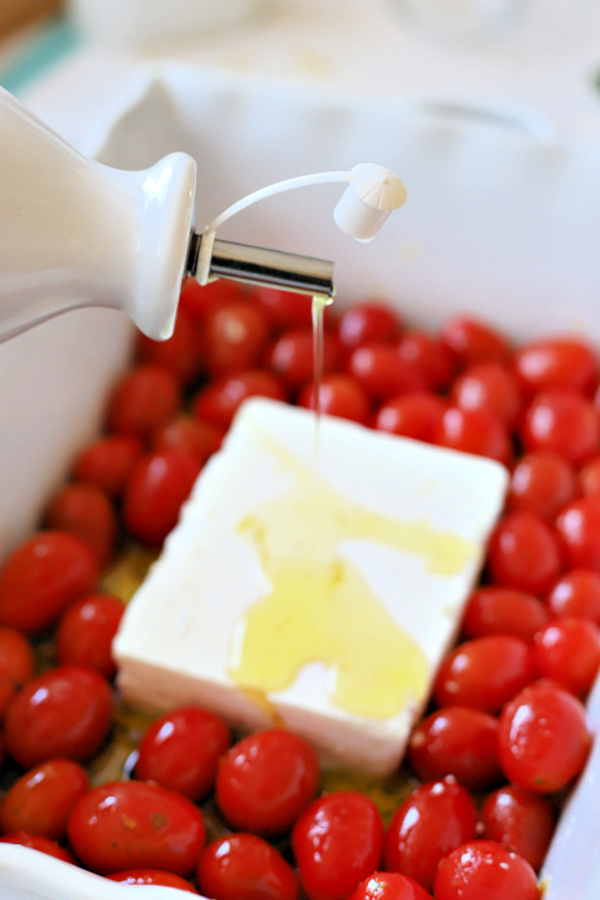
(319, 608)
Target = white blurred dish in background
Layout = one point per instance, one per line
(138, 23)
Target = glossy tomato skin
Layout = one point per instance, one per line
(153, 876)
(179, 354)
(470, 340)
(519, 820)
(561, 422)
(181, 749)
(85, 633)
(416, 415)
(560, 362)
(489, 386)
(543, 738)
(41, 800)
(136, 824)
(246, 867)
(567, 650)
(40, 843)
(142, 400)
(473, 431)
(85, 511)
(284, 309)
(484, 869)
(576, 594)
(368, 322)
(457, 741)
(578, 527)
(498, 610)
(265, 781)
(433, 820)
(107, 462)
(291, 357)
(235, 336)
(337, 842)
(389, 886)
(524, 553)
(220, 400)
(158, 486)
(542, 483)
(428, 357)
(484, 673)
(42, 576)
(339, 395)
(382, 372)
(193, 436)
(16, 664)
(64, 712)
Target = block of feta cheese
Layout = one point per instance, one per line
(316, 578)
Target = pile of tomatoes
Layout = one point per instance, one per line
(488, 766)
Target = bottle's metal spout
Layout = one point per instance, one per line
(260, 266)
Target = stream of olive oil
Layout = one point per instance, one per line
(319, 302)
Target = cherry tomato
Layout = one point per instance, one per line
(142, 400)
(159, 485)
(364, 323)
(134, 825)
(578, 527)
(197, 300)
(381, 371)
(337, 842)
(64, 712)
(85, 511)
(433, 820)
(235, 335)
(576, 594)
(568, 651)
(542, 483)
(473, 431)
(291, 357)
(219, 402)
(543, 739)
(498, 610)
(523, 553)
(389, 886)
(556, 363)
(41, 800)
(521, 821)
(414, 415)
(484, 673)
(562, 422)
(489, 386)
(429, 358)
(339, 395)
(16, 664)
(85, 633)
(588, 477)
(181, 749)
(284, 309)
(42, 576)
(245, 867)
(266, 780)
(107, 463)
(40, 843)
(470, 340)
(153, 876)
(192, 436)
(459, 741)
(180, 354)
(484, 869)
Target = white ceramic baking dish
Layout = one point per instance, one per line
(502, 221)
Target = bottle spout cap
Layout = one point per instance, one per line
(373, 192)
